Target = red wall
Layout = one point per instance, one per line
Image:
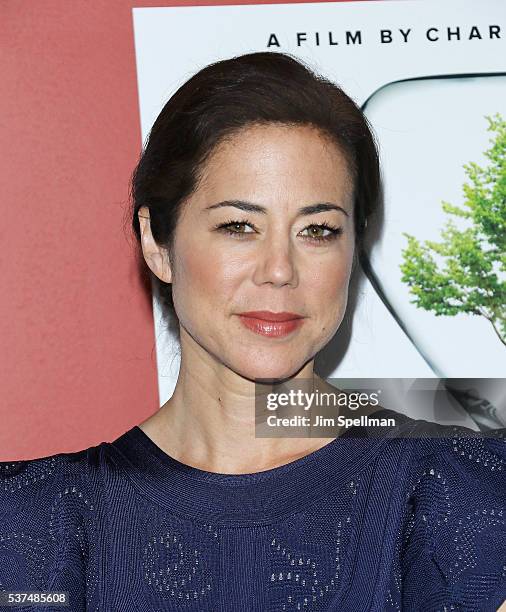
(78, 362)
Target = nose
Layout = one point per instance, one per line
(276, 263)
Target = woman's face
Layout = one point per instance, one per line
(273, 257)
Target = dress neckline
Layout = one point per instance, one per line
(256, 497)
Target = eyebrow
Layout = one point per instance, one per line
(304, 210)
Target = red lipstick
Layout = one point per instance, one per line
(271, 324)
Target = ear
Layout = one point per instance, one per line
(156, 256)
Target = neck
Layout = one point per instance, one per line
(210, 421)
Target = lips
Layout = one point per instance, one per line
(267, 315)
(271, 324)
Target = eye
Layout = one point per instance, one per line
(316, 232)
(231, 227)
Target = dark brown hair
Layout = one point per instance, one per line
(225, 97)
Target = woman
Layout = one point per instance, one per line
(250, 203)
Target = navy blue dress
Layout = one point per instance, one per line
(364, 523)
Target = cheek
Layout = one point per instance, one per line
(209, 272)
(327, 291)
(329, 280)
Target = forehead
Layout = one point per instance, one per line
(265, 160)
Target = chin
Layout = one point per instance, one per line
(263, 369)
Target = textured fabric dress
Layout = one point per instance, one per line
(365, 523)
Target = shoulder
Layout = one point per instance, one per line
(31, 479)
(50, 514)
(470, 463)
(463, 447)
(452, 545)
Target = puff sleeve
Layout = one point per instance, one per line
(451, 549)
(48, 529)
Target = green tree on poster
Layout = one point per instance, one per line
(470, 275)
